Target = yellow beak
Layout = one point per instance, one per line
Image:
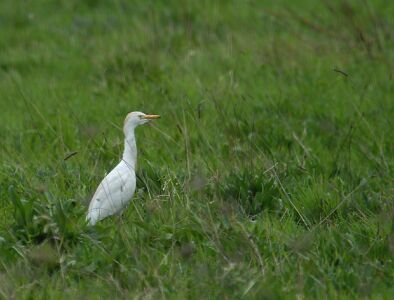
(150, 117)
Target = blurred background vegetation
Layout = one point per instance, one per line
(270, 174)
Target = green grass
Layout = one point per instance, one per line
(270, 174)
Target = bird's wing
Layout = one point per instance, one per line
(113, 193)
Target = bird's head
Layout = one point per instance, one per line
(136, 118)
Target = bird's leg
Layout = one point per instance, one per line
(119, 216)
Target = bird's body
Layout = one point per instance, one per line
(113, 194)
(117, 188)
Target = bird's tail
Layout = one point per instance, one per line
(90, 218)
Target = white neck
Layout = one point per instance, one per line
(130, 150)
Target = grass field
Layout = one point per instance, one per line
(270, 174)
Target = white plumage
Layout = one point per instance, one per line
(117, 188)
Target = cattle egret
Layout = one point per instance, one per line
(117, 188)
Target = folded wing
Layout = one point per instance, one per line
(113, 194)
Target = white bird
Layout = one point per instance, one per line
(117, 188)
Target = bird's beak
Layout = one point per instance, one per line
(150, 117)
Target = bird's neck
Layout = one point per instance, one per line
(130, 150)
